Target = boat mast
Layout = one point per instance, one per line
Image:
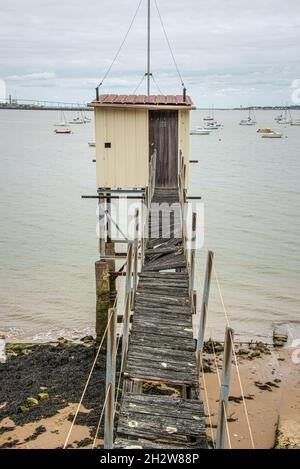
(148, 52)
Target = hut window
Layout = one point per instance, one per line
(107, 145)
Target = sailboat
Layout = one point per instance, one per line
(295, 122)
(61, 127)
(209, 121)
(85, 118)
(210, 117)
(77, 120)
(63, 120)
(62, 131)
(287, 118)
(200, 131)
(251, 119)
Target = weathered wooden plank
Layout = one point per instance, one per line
(165, 291)
(176, 263)
(161, 376)
(167, 309)
(151, 243)
(191, 409)
(153, 428)
(176, 254)
(159, 299)
(161, 251)
(161, 329)
(163, 319)
(165, 275)
(164, 281)
(163, 342)
(165, 366)
(123, 443)
(161, 354)
(166, 286)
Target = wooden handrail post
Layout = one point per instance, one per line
(143, 229)
(135, 257)
(205, 298)
(225, 385)
(192, 262)
(126, 317)
(110, 385)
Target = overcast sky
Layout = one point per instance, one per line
(230, 52)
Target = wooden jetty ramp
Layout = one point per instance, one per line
(161, 347)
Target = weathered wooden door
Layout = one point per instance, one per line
(163, 136)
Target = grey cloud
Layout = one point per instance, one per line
(225, 49)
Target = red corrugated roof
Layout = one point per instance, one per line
(173, 100)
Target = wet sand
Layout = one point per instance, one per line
(270, 379)
(271, 385)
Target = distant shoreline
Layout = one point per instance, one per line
(26, 107)
(43, 108)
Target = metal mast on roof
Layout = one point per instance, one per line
(148, 52)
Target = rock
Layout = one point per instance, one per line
(31, 401)
(43, 395)
(210, 346)
(263, 387)
(288, 435)
(254, 353)
(242, 351)
(87, 338)
(270, 383)
(236, 399)
(280, 335)
(23, 408)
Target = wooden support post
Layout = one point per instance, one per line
(111, 356)
(101, 208)
(204, 307)
(135, 257)
(126, 317)
(137, 386)
(102, 297)
(224, 390)
(192, 262)
(110, 252)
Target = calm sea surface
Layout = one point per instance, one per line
(48, 245)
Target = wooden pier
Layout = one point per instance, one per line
(161, 347)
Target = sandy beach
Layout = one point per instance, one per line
(270, 380)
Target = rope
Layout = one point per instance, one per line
(122, 44)
(138, 86)
(87, 383)
(168, 42)
(101, 416)
(235, 359)
(156, 84)
(207, 401)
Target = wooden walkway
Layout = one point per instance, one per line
(162, 348)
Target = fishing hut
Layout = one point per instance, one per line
(129, 129)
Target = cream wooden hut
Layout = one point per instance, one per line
(128, 128)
